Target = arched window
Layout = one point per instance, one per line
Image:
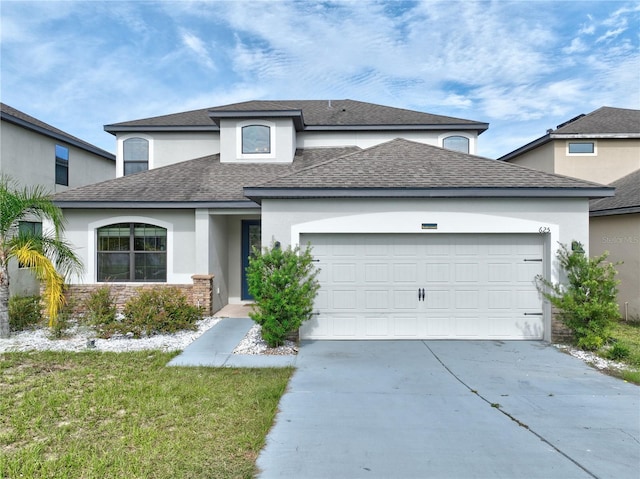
(456, 143)
(136, 155)
(256, 139)
(132, 252)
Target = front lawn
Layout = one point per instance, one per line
(628, 334)
(116, 415)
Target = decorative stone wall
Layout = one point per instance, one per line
(199, 293)
(559, 332)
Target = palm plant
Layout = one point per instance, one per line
(49, 257)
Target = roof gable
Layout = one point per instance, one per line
(626, 199)
(12, 115)
(402, 165)
(316, 114)
(605, 120)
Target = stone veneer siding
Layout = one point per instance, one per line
(559, 332)
(199, 293)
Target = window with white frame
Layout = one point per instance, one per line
(256, 139)
(130, 252)
(30, 229)
(581, 148)
(135, 155)
(456, 143)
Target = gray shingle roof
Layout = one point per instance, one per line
(316, 113)
(605, 120)
(402, 164)
(18, 117)
(626, 199)
(203, 180)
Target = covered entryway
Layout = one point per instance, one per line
(427, 286)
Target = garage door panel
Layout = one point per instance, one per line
(377, 299)
(476, 286)
(343, 273)
(343, 299)
(376, 273)
(405, 273)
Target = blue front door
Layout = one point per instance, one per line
(251, 237)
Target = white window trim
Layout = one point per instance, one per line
(120, 153)
(92, 267)
(595, 148)
(471, 138)
(256, 156)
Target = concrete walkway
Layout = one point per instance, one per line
(451, 409)
(215, 349)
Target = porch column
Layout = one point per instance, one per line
(203, 253)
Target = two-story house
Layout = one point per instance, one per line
(415, 235)
(35, 153)
(602, 146)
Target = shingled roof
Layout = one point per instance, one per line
(12, 115)
(605, 122)
(199, 182)
(626, 200)
(315, 114)
(403, 168)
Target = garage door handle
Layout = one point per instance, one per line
(533, 314)
(421, 294)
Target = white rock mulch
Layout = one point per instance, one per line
(254, 344)
(82, 338)
(79, 338)
(593, 359)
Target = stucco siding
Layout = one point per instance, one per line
(620, 236)
(614, 159)
(81, 233)
(367, 139)
(540, 158)
(29, 158)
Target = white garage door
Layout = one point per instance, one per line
(426, 286)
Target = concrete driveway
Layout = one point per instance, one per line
(451, 409)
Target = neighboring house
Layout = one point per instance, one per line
(614, 226)
(415, 236)
(35, 153)
(603, 146)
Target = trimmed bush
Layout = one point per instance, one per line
(587, 302)
(100, 307)
(24, 312)
(283, 284)
(159, 311)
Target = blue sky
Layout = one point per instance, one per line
(522, 66)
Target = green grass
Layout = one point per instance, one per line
(126, 415)
(628, 334)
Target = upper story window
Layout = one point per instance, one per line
(29, 228)
(136, 155)
(581, 148)
(132, 252)
(456, 143)
(256, 139)
(62, 165)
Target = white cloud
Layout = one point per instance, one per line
(197, 46)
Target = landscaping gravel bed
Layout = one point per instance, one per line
(83, 338)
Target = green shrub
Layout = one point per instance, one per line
(618, 351)
(157, 311)
(24, 312)
(587, 303)
(100, 307)
(283, 284)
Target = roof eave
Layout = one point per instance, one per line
(526, 148)
(259, 193)
(295, 115)
(581, 136)
(72, 204)
(57, 136)
(113, 129)
(625, 210)
(479, 127)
